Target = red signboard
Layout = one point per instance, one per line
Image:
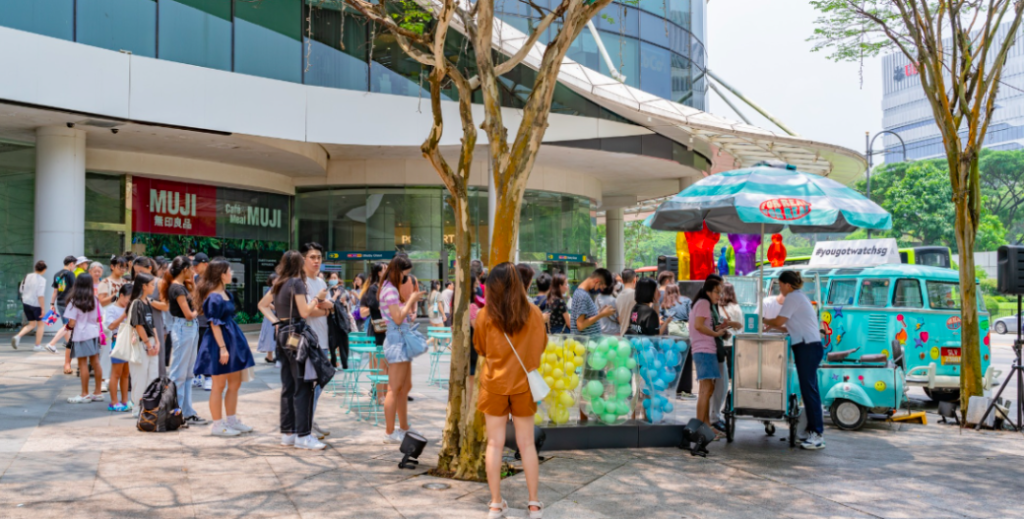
(164, 207)
(950, 355)
(785, 208)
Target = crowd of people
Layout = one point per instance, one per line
(183, 316)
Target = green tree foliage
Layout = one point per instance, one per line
(1002, 184)
(919, 196)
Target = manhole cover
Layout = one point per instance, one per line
(437, 486)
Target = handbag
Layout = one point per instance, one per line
(538, 387)
(415, 343)
(126, 346)
(379, 325)
(719, 341)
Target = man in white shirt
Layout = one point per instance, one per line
(317, 320)
(772, 305)
(33, 294)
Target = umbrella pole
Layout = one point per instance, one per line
(760, 289)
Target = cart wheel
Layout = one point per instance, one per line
(730, 427)
(769, 428)
(848, 415)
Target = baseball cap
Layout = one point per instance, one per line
(81, 259)
(200, 258)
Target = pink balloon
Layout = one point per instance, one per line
(924, 336)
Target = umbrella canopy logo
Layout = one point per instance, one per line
(785, 209)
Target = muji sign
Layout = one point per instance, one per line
(164, 207)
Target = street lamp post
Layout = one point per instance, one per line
(869, 141)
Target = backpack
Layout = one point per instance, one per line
(160, 411)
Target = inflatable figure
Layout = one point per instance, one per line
(777, 251)
(683, 253)
(745, 246)
(723, 262)
(702, 252)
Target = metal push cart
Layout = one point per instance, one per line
(764, 382)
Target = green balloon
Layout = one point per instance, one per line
(602, 347)
(622, 375)
(597, 361)
(595, 388)
(631, 364)
(609, 418)
(623, 391)
(619, 362)
(621, 407)
(599, 406)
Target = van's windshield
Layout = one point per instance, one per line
(943, 295)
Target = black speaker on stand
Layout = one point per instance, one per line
(1011, 281)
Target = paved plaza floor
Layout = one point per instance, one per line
(64, 461)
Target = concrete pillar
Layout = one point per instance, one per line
(60, 196)
(615, 239)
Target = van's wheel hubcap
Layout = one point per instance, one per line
(848, 413)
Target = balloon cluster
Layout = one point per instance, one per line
(608, 380)
(661, 359)
(560, 364)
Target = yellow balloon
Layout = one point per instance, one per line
(569, 367)
(538, 419)
(574, 381)
(579, 349)
(550, 380)
(550, 347)
(577, 361)
(557, 373)
(562, 416)
(566, 399)
(559, 384)
(546, 368)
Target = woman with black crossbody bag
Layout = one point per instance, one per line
(292, 308)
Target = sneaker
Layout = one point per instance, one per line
(309, 443)
(814, 442)
(207, 383)
(198, 381)
(196, 420)
(322, 431)
(410, 430)
(15, 341)
(128, 406)
(288, 440)
(237, 425)
(112, 407)
(222, 429)
(395, 437)
(122, 408)
(104, 388)
(38, 347)
(79, 399)
(51, 348)
(685, 396)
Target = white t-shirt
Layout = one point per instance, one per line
(318, 324)
(446, 301)
(771, 307)
(33, 288)
(802, 321)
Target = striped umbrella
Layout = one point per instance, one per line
(766, 199)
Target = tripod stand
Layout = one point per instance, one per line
(1018, 370)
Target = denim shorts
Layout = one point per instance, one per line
(707, 366)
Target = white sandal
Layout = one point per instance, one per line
(535, 514)
(497, 514)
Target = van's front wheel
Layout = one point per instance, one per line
(847, 414)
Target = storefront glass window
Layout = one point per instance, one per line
(268, 39)
(197, 32)
(653, 6)
(118, 25)
(337, 57)
(104, 198)
(17, 217)
(47, 17)
(655, 70)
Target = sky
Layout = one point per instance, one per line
(759, 47)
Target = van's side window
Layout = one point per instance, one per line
(943, 295)
(907, 294)
(842, 292)
(874, 292)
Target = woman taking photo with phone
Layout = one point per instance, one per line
(398, 299)
(509, 326)
(707, 331)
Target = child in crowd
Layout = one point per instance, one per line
(113, 316)
(83, 315)
(141, 318)
(643, 319)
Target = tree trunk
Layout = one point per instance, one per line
(966, 228)
(462, 445)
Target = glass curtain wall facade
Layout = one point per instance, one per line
(658, 46)
(17, 226)
(319, 42)
(419, 222)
